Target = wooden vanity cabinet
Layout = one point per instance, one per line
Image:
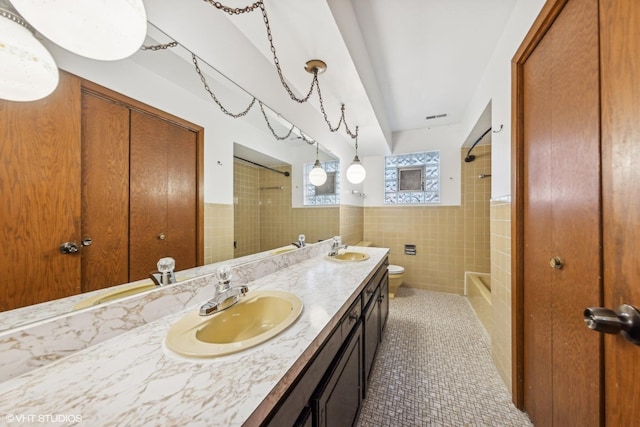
(330, 389)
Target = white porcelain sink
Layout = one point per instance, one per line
(257, 318)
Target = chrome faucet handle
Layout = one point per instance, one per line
(165, 274)
(301, 240)
(335, 246)
(223, 274)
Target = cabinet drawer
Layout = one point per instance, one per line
(370, 289)
(350, 319)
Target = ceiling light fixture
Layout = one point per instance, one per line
(356, 172)
(106, 30)
(27, 70)
(317, 175)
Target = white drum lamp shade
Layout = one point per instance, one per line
(106, 30)
(27, 70)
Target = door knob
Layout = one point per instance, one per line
(625, 320)
(69, 248)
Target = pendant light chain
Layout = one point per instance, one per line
(213, 95)
(266, 119)
(314, 82)
(159, 46)
(356, 137)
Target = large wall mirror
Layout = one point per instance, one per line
(253, 183)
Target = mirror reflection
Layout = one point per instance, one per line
(246, 209)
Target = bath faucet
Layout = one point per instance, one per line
(336, 246)
(225, 295)
(165, 274)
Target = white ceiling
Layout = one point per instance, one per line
(392, 63)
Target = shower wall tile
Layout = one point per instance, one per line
(501, 287)
(218, 232)
(265, 219)
(275, 209)
(246, 209)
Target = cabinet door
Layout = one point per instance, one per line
(337, 401)
(384, 303)
(40, 185)
(371, 335)
(163, 195)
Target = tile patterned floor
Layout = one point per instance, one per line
(434, 368)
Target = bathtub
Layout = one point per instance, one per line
(477, 288)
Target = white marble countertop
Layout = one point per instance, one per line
(133, 379)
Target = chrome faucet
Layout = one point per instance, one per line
(336, 246)
(300, 243)
(165, 274)
(225, 295)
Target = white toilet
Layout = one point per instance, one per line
(396, 273)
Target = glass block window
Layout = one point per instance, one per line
(327, 193)
(412, 178)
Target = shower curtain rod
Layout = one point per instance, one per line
(262, 166)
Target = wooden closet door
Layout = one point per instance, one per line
(40, 188)
(562, 358)
(163, 195)
(105, 192)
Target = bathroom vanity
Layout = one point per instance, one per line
(329, 390)
(313, 373)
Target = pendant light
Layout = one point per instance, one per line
(356, 172)
(27, 70)
(107, 30)
(317, 175)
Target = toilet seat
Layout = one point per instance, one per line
(395, 269)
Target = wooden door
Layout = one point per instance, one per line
(163, 195)
(40, 209)
(620, 67)
(105, 192)
(561, 218)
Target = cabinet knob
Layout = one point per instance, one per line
(556, 263)
(161, 236)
